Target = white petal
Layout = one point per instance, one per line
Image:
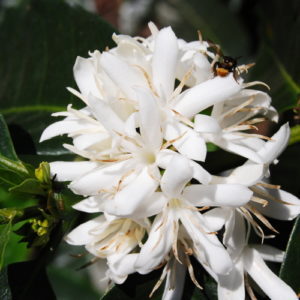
(272, 285)
(207, 242)
(207, 94)
(269, 253)
(149, 115)
(175, 281)
(98, 275)
(176, 176)
(217, 195)
(231, 286)
(64, 127)
(192, 145)
(165, 156)
(127, 201)
(204, 123)
(84, 141)
(123, 75)
(272, 149)
(120, 268)
(152, 205)
(233, 146)
(234, 237)
(200, 173)
(104, 177)
(278, 210)
(216, 218)
(84, 73)
(164, 61)
(90, 205)
(186, 140)
(81, 235)
(158, 245)
(68, 171)
(247, 175)
(105, 114)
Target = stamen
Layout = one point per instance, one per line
(257, 190)
(254, 121)
(148, 79)
(191, 272)
(261, 201)
(238, 108)
(159, 282)
(174, 244)
(246, 85)
(169, 143)
(268, 185)
(245, 68)
(259, 216)
(254, 135)
(200, 36)
(248, 288)
(179, 88)
(183, 119)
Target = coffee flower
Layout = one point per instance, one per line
(151, 105)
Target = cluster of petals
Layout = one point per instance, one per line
(151, 106)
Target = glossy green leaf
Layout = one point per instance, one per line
(29, 186)
(5, 293)
(9, 178)
(36, 64)
(290, 269)
(5, 231)
(8, 158)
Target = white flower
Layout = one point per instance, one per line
(142, 135)
(249, 260)
(179, 203)
(268, 200)
(229, 119)
(111, 239)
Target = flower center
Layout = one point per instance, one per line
(175, 203)
(147, 157)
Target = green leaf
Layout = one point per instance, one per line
(5, 293)
(5, 231)
(29, 186)
(290, 269)
(36, 64)
(8, 157)
(9, 178)
(295, 135)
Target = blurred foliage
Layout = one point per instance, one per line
(40, 40)
(49, 35)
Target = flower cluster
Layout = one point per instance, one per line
(152, 107)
